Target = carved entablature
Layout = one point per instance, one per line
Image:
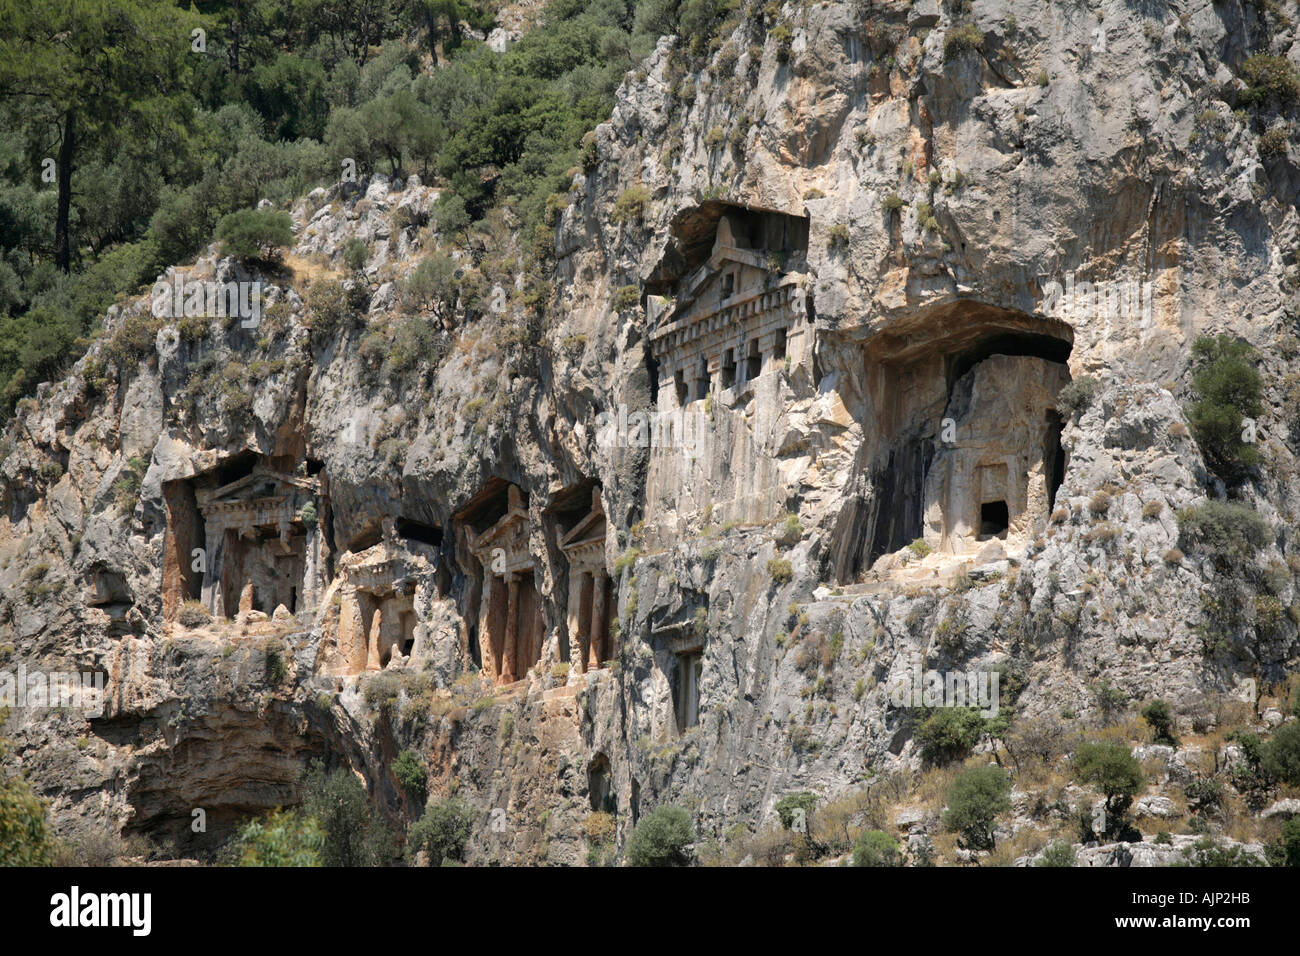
(263, 500)
(383, 578)
(503, 548)
(584, 544)
(724, 320)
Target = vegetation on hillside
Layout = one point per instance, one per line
(154, 132)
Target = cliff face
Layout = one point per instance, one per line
(848, 268)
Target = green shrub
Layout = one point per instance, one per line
(962, 39)
(193, 614)
(975, 799)
(1204, 796)
(1269, 78)
(1161, 721)
(276, 668)
(626, 297)
(1230, 533)
(630, 205)
(431, 285)
(1280, 757)
(354, 834)
(284, 838)
(354, 254)
(25, 840)
(919, 548)
(1057, 854)
(1286, 851)
(838, 235)
(1207, 852)
(893, 202)
(1115, 772)
(780, 570)
(626, 560)
(661, 838)
(791, 532)
(126, 490)
(442, 832)
(786, 806)
(1274, 142)
(411, 773)
(255, 235)
(1228, 389)
(1077, 395)
(950, 734)
(876, 848)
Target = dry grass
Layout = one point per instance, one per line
(308, 269)
(1023, 842)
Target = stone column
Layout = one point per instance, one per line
(372, 642)
(596, 642)
(211, 593)
(574, 634)
(510, 651)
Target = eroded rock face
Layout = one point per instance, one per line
(806, 340)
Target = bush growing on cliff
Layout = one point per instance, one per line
(950, 734)
(780, 570)
(1077, 395)
(354, 834)
(442, 832)
(1057, 854)
(1280, 757)
(24, 838)
(255, 235)
(975, 799)
(1161, 721)
(355, 254)
(630, 205)
(661, 839)
(193, 614)
(431, 285)
(1230, 533)
(284, 838)
(962, 39)
(1269, 78)
(1228, 390)
(277, 668)
(803, 801)
(1286, 851)
(1115, 772)
(411, 773)
(876, 848)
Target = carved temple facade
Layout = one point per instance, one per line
(511, 625)
(591, 594)
(261, 545)
(736, 314)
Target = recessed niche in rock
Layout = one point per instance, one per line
(686, 688)
(511, 626)
(590, 588)
(260, 539)
(599, 788)
(994, 480)
(963, 442)
(375, 624)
